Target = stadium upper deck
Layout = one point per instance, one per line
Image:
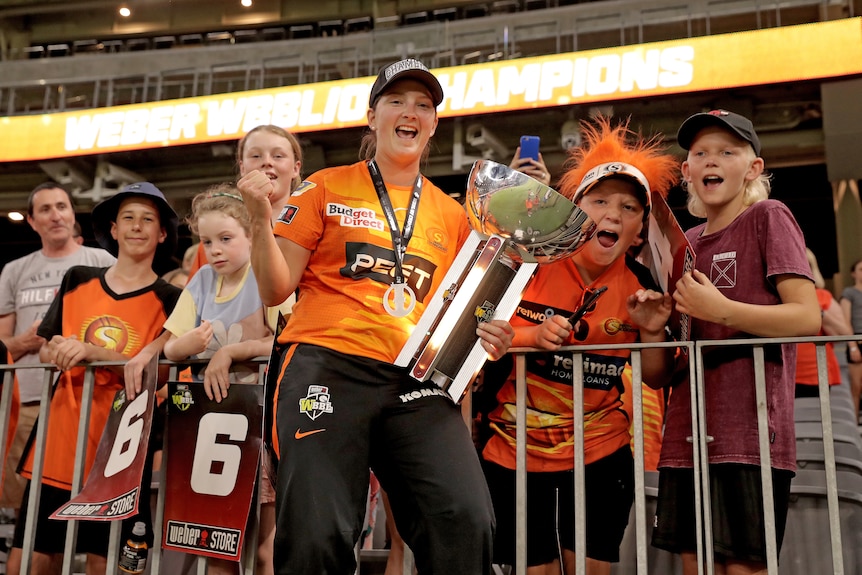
(180, 50)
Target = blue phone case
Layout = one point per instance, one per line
(530, 147)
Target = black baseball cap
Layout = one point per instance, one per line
(409, 68)
(739, 125)
(105, 212)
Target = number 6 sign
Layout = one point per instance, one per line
(212, 461)
(113, 487)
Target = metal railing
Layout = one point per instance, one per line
(699, 441)
(699, 434)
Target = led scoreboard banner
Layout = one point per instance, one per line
(777, 55)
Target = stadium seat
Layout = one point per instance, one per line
(273, 33)
(360, 24)
(330, 27)
(301, 31)
(164, 42)
(87, 46)
(806, 548)
(55, 50)
(382, 22)
(136, 44)
(535, 4)
(415, 18)
(505, 6)
(34, 51)
(810, 455)
(191, 40)
(240, 36)
(216, 38)
(839, 399)
(113, 45)
(475, 11)
(841, 431)
(839, 413)
(444, 14)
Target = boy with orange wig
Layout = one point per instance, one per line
(610, 177)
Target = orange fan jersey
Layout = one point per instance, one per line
(557, 288)
(87, 309)
(806, 353)
(653, 413)
(16, 402)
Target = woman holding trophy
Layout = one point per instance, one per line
(366, 245)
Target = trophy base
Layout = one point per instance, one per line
(484, 283)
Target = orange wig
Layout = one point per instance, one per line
(603, 143)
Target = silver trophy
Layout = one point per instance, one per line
(517, 222)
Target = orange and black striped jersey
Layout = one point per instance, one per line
(337, 216)
(87, 309)
(6, 358)
(557, 288)
(653, 413)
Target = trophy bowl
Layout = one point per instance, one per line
(541, 222)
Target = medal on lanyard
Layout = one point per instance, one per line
(399, 299)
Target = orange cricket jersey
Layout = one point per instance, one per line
(557, 288)
(14, 408)
(337, 215)
(87, 309)
(653, 413)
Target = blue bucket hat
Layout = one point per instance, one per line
(105, 213)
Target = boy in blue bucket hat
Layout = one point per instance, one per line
(99, 314)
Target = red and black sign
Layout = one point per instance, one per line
(212, 463)
(113, 488)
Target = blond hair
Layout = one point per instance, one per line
(222, 198)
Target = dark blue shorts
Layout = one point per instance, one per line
(93, 536)
(737, 511)
(609, 486)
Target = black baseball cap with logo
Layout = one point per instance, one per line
(739, 125)
(409, 68)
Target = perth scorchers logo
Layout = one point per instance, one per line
(438, 238)
(110, 332)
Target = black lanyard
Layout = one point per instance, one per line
(402, 238)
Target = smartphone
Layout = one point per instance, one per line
(530, 147)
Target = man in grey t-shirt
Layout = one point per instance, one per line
(27, 288)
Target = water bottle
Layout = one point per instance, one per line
(133, 555)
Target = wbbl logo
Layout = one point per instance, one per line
(316, 402)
